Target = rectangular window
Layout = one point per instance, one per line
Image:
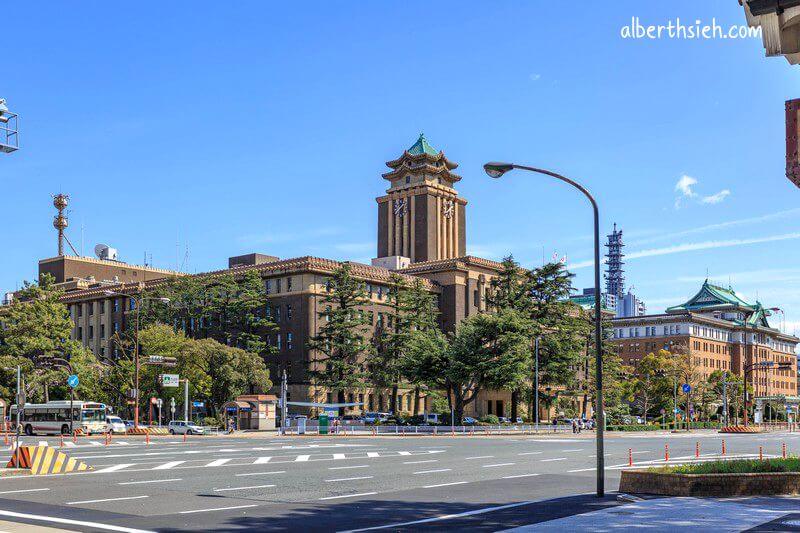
(278, 285)
(132, 305)
(115, 304)
(102, 331)
(289, 339)
(91, 332)
(80, 333)
(91, 308)
(277, 313)
(489, 404)
(278, 341)
(102, 306)
(80, 310)
(288, 284)
(116, 327)
(288, 311)
(268, 286)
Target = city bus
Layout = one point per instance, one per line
(54, 417)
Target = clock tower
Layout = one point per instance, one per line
(421, 216)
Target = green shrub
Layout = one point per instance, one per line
(739, 466)
(490, 419)
(211, 421)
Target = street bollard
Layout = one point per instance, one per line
(666, 452)
(61, 441)
(75, 436)
(147, 437)
(723, 447)
(5, 438)
(760, 453)
(783, 450)
(630, 457)
(697, 450)
(184, 437)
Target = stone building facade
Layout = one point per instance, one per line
(421, 234)
(720, 331)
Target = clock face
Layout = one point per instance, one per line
(447, 209)
(400, 207)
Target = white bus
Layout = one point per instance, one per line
(54, 417)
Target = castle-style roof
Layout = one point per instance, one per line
(422, 158)
(712, 297)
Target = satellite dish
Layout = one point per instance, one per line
(104, 251)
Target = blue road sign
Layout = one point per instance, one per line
(72, 381)
(686, 388)
(198, 404)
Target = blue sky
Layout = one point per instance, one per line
(264, 127)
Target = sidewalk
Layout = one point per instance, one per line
(684, 514)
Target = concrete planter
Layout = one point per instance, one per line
(644, 482)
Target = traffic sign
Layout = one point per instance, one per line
(198, 404)
(72, 381)
(170, 380)
(155, 359)
(686, 388)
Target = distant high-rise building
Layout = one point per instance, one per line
(615, 280)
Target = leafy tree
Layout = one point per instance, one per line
(618, 385)
(734, 390)
(36, 328)
(487, 351)
(339, 347)
(650, 383)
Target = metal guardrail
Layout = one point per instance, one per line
(529, 429)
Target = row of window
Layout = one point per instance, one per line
(277, 341)
(649, 331)
(275, 286)
(101, 304)
(115, 328)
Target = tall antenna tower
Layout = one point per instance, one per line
(615, 280)
(60, 222)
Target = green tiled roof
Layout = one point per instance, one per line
(422, 147)
(713, 296)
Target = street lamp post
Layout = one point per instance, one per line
(138, 303)
(496, 170)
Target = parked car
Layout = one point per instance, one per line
(129, 423)
(352, 420)
(504, 419)
(374, 418)
(469, 421)
(180, 427)
(116, 425)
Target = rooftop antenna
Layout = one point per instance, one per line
(9, 133)
(60, 222)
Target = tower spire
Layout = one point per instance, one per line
(615, 280)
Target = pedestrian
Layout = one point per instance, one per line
(555, 425)
(574, 426)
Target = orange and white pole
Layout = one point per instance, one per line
(630, 457)
(783, 450)
(760, 453)
(666, 452)
(697, 449)
(723, 447)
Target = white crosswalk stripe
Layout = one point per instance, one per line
(167, 466)
(218, 462)
(262, 460)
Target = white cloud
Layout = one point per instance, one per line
(684, 186)
(716, 198)
(691, 247)
(535, 77)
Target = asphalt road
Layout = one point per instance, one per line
(343, 483)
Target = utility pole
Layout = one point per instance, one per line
(283, 403)
(725, 397)
(20, 405)
(536, 381)
(186, 399)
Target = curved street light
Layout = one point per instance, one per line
(138, 302)
(497, 170)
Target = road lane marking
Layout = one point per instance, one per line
(519, 475)
(420, 462)
(338, 456)
(347, 467)
(373, 454)
(348, 496)
(218, 509)
(58, 520)
(581, 470)
(167, 466)
(108, 500)
(433, 471)
(348, 479)
(261, 473)
(262, 460)
(403, 453)
(498, 464)
(480, 457)
(22, 490)
(575, 450)
(244, 488)
(444, 484)
(113, 468)
(150, 481)
(530, 453)
(555, 459)
(218, 462)
(302, 458)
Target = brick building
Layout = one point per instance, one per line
(421, 234)
(720, 331)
